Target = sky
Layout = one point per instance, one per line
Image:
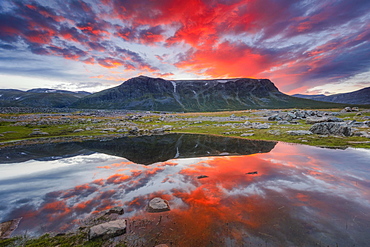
(306, 46)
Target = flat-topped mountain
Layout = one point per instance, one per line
(39, 97)
(361, 96)
(146, 93)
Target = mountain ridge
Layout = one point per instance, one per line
(361, 96)
(157, 94)
(39, 97)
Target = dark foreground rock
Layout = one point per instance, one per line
(108, 229)
(115, 210)
(157, 205)
(330, 128)
(7, 227)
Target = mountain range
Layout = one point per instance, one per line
(361, 96)
(157, 94)
(39, 97)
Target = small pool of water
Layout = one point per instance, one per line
(255, 193)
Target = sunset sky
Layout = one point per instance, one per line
(307, 46)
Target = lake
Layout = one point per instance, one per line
(253, 193)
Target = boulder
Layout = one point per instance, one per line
(283, 122)
(157, 205)
(110, 129)
(247, 134)
(260, 125)
(114, 210)
(108, 229)
(37, 132)
(347, 109)
(330, 128)
(313, 120)
(299, 132)
(275, 117)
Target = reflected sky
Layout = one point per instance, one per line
(300, 196)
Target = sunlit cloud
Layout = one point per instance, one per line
(298, 45)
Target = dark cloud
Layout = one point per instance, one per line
(215, 38)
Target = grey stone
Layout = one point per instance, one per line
(158, 205)
(78, 130)
(282, 122)
(108, 229)
(110, 129)
(122, 130)
(260, 126)
(313, 120)
(115, 210)
(347, 109)
(169, 127)
(247, 134)
(299, 132)
(35, 133)
(330, 128)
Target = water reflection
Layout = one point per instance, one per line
(300, 196)
(141, 150)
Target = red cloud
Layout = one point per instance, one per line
(226, 60)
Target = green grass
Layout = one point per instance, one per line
(188, 126)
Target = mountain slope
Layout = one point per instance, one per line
(145, 93)
(39, 97)
(361, 96)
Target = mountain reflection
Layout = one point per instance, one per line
(142, 150)
(300, 196)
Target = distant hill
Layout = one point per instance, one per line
(361, 96)
(146, 93)
(39, 97)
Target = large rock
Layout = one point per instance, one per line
(257, 125)
(330, 128)
(158, 205)
(313, 120)
(37, 132)
(108, 229)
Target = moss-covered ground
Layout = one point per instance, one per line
(18, 127)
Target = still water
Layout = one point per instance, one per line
(256, 194)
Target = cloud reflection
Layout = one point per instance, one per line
(299, 196)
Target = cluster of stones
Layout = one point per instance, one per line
(117, 226)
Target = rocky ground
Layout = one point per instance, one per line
(345, 127)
